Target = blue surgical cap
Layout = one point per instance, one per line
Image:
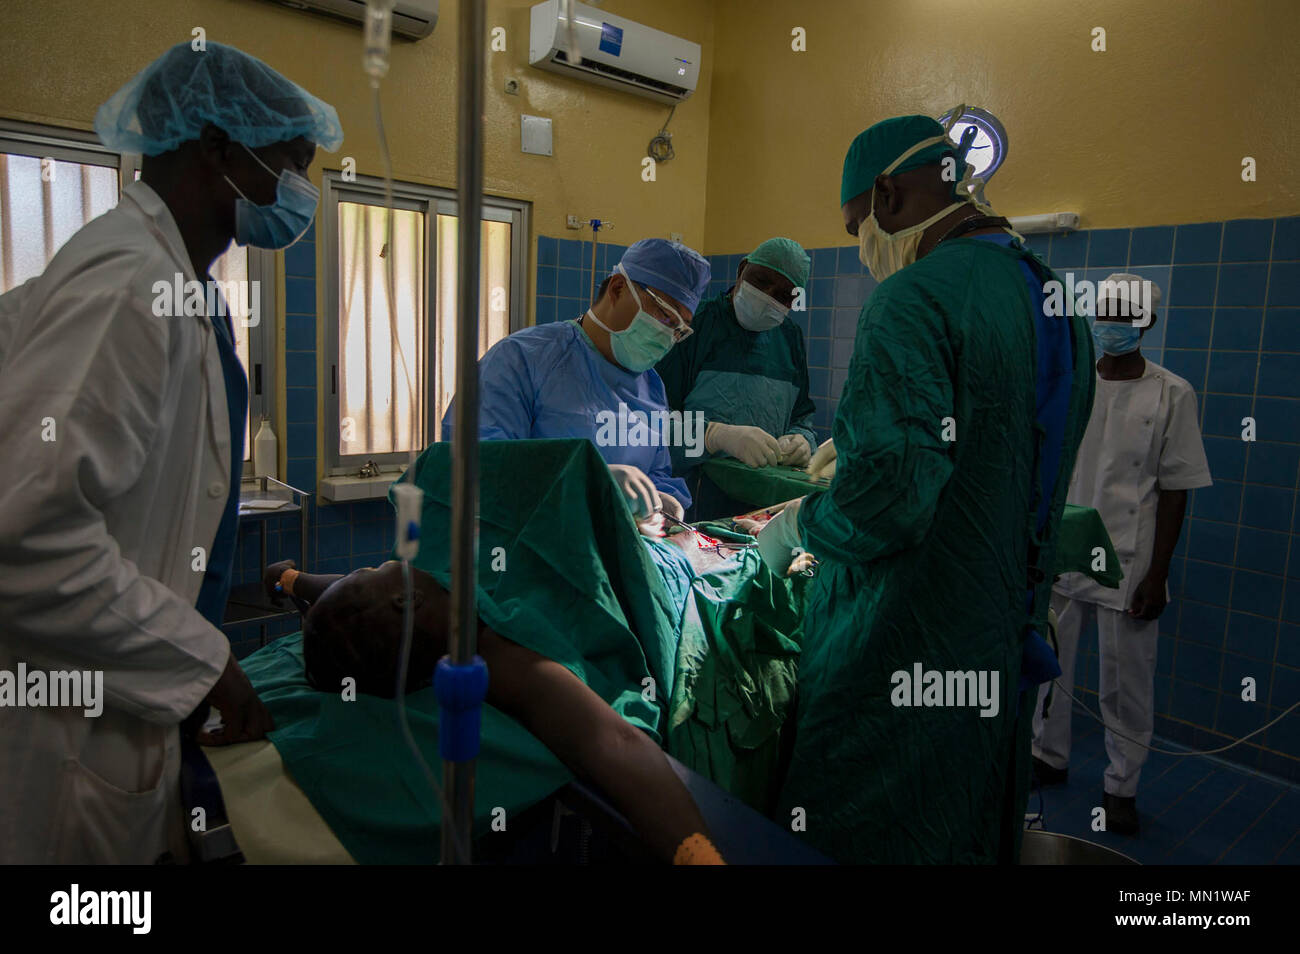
(668, 267)
(170, 100)
(874, 149)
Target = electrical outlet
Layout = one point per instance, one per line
(574, 222)
(675, 236)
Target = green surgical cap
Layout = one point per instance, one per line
(785, 256)
(169, 101)
(874, 149)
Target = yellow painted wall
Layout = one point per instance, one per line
(1150, 132)
(62, 58)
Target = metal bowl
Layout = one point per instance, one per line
(1050, 848)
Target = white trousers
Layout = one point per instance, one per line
(1127, 651)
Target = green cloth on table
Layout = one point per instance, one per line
(580, 586)
(350, 760)
(1081, 531)
(760, 486)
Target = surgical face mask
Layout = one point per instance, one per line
(755, 310)
(285, 220)
(884, 253)
(1116, 337)
(640, 345)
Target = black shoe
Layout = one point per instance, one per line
(1047, 775)
(1121, 814)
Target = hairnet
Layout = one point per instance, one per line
(785, 256)
(668, 267)
(874, 149)
(169, 101)
(1124, 290)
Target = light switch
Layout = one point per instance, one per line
(535, 135)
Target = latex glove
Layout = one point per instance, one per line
(752, 446)
(671, 505)
(795, 451)
(642, 496)
(779, 539)
(823, 462)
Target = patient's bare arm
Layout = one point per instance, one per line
(593, 740)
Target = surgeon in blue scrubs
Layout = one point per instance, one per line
(555, 380)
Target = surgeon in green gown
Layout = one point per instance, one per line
(956, 435)
(746, 370)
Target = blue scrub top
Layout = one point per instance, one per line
(549, 381)
(221, 559)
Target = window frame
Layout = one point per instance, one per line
(430, 201)
(41, 141)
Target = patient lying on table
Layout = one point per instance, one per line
(354, 629)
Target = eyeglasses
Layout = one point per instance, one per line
(670, 318)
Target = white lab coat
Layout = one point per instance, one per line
(97, 533)
(1142, 437)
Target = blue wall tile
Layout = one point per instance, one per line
(1108, 248)
(1233, 372)
(1197, 243)
(1266, 507)
(1189, 365)
(1262, 550)
(1247, 240)
(1237, 329)
(1209, 581)
(1152, 246)
(1220, 502)
(1284, 285)
(1224, 413)
(847, 261)
(1281, 329)
(1279, 375)
(1286, 239)
(1242, 285)
(547, 251)
(300, 404)
(1192, 286)
(1251, 635)
(300, 367)
(547, 279)
(1069, 250)
(1211, 541)
(1274, 463)
(300, 296)
(1188, 327)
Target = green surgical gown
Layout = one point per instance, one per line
(736, 376)
(925, 545)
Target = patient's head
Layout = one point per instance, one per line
(355, 629)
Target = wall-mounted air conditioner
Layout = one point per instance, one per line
(614, 52)
(411, 18)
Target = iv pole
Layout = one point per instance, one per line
(461, 677)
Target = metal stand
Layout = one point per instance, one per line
(458, 776)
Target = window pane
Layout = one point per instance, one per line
(232, 266)
(42, 204)
(381, 371)
(494, 301)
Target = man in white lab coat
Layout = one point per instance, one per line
(1141, 453)
(120, 459)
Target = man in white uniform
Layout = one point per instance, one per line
(1141, 453)
(120, 456)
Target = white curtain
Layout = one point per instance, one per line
(43, 202)
(381, 369)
